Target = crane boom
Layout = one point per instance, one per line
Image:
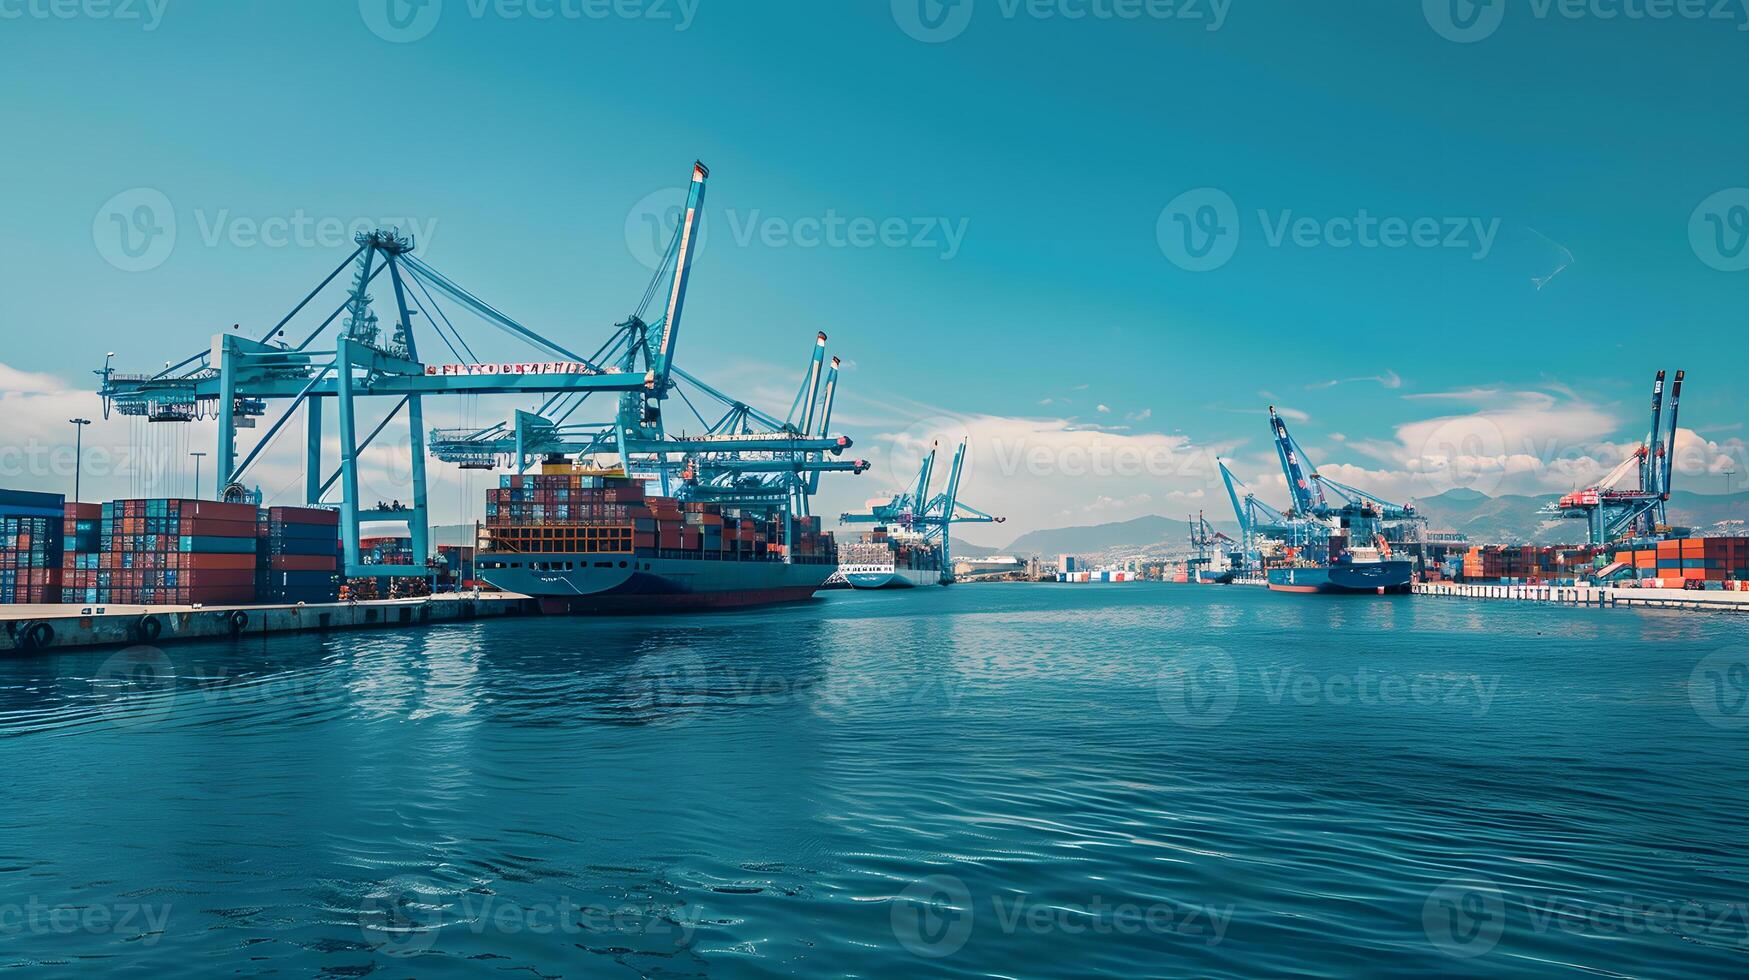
(682, 275)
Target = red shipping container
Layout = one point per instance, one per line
(215, 510)
(217, 562)
(217, 528)
(304, 515)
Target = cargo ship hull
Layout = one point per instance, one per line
(1361, 578)
(578, 584)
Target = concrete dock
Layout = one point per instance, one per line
(1570, 595)
(32, 628)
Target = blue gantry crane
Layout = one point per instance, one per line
(1363, 516)
(346, 361)
(1611, 512)
(1259, 521)
(916, 511)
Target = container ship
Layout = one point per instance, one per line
(595, 542)
(1344, 570)
(883, 559)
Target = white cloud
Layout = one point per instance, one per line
(1104, 409)
(1388, 379)
(1034, 471)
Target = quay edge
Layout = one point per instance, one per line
(44, 628)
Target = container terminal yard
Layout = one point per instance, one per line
(732, 528)
(628, 516)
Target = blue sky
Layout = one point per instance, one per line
(1033, 167)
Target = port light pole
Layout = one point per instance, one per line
(78, 452)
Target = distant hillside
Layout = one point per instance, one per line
(1505, 519)
(1515, 518)
(1139, 534)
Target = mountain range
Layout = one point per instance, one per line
(1506, 519)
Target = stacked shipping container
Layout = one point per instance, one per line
(175, 552)
(569, 513)
(82, 536)
(1528, 562)
(31, 543)
(298, 555)
(456, 565)
(164, 551)
(1690, 560)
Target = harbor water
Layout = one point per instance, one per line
(984, 780)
